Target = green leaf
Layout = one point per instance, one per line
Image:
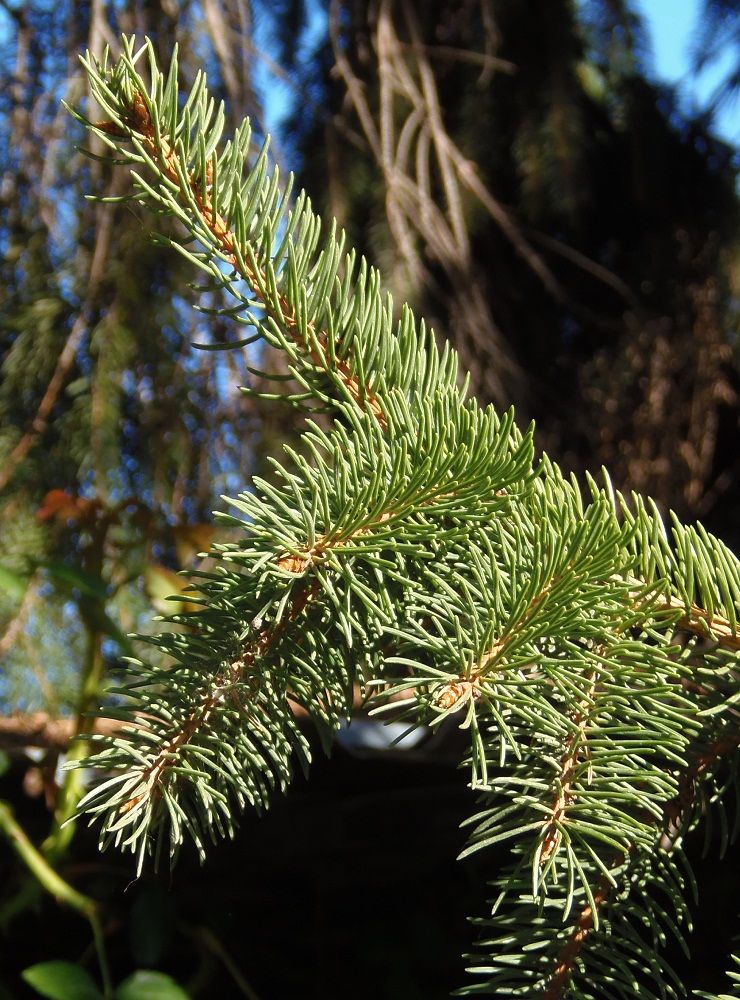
(148, 985)
(12, 583)
(87, 584)
(62, 981)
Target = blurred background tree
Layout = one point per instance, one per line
(520, 176)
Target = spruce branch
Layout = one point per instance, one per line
(279, 309)
(418, 551)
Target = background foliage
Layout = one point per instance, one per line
(567, 225)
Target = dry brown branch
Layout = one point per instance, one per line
(409, 141)
(484, 59)
(50, 732)
(72, 344)
(40, 729)
(422, 224)
(17, 622)
(355, 89)
(229, 25)
(592, 267)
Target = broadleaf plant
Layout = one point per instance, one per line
(416, 555)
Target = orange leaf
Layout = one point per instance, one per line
(67, 507)
(59, 504)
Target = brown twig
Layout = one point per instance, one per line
(695, 620)
(573, 946)
(299, 563)
(569, 761)
(675, 814)
(680, 807)
(232, 674)
(713, 627)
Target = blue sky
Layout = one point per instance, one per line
(673, 25)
